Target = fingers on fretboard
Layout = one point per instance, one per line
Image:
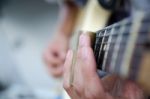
(113, 41)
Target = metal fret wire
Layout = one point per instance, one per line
(124, 71)
(101, 46)
(112, 33)
(141, 31)
(108, 45)
(106, 51)
(109, 42)
(100, 35)
(97, 46)
(116, 47)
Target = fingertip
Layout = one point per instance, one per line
(84, 40)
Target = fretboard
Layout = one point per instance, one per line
(119, 47)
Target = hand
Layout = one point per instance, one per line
(88, 85)
(55, 54)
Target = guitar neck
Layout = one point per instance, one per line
(120, 48)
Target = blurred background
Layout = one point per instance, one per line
(26, 27)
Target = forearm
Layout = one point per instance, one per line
(68, 15)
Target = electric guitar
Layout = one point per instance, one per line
(91, 18)
(122, 48)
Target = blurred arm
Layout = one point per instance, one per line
(68, 15)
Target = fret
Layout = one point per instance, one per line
(126, 49)
(105, 48)
(141, 39)
(111, 48)
(113, 66)
(143, 29)
(101, 52)
(121, 51)
(125, 67)
(104, 45)
(108, 45)
(135, 62)
(101, 46)
(122, 45)
(97, 47)
(140, 49)
(99, 37)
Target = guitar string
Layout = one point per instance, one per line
(97, 46)
(136, 57)
(116, 47)
(110, 42)
(115, 33)
(99, 55)
(125, 65)
(108, 45)
(107, 28)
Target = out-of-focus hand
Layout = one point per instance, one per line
(55, 54)
(88, 85)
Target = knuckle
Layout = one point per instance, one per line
(78, 89)
(90, 95)
(66, 86)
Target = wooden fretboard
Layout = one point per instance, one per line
(119, 48)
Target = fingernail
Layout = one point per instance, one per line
(84, 40)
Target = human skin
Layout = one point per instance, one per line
(55, 53)
(88, 85)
